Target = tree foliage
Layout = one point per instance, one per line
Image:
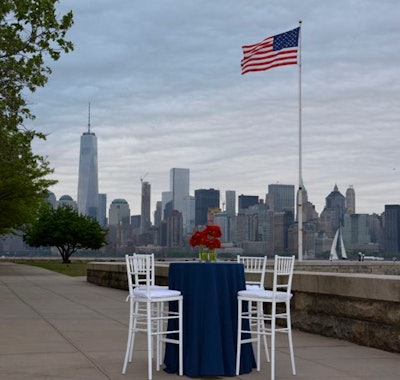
(30, 32)
(66, 230)
(22, 181)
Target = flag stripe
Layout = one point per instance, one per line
(270, 56)
(269, 61)
(275, 51)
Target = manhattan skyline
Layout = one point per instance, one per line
(166, 91)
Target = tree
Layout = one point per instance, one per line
(30, 31)
(22, 181)
(66, 230)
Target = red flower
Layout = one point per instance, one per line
(213, 244)
(208, 237)
(198, 238)
(213, 231)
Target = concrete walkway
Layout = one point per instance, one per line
(58, 327)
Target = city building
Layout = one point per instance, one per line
(119, 213)
(309, 212)
(66, 200)
(280, 198)
(88, 186)
(158, 214)
(102, 218)
(51, 199)
(350, 201)
(166, 204)
(222, 220)
(119, 227)
(333, 211)
(174, 228)
(245, 201)
(230, 199)
(392, 229)
(179, 185)
(145, 207)
(205, 199)
(355, 231)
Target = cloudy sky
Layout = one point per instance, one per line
(164, 82)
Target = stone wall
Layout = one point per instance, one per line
(360, 308)
(357, 306)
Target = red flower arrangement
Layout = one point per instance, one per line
(209, 239)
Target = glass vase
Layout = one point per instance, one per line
(203, 256)
(207, 256)
(212, 256)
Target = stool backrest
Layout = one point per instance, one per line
(140, 271)
(283, 273)
(254, 264)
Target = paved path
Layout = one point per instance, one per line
(58, 327)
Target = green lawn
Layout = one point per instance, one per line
(72, 269)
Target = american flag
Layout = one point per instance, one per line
(279, 50)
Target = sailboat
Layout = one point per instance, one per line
(334, 255)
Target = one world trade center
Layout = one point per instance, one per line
(88, 185)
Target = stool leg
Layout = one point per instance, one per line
(239, 337)
(273, 325)
(180, 308)
(289, 328)
(149, 341)
(131, 336)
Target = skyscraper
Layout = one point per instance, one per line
(119, 213)
(350, 201)
(281, 197)
(179, 185)
(335, 202)
(230, 196)
(145, 207)
(66, 200)
(392, 229)
(245, 201)
(88, 185)
(102, 213)
(205, 199)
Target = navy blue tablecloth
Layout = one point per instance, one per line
(209, 319)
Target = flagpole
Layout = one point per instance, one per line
(300, 192)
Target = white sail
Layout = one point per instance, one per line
(334, 255)
(342, 248)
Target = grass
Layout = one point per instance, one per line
(72, 269)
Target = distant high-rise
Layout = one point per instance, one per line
(392, 229)
(88, 184)
(350, 201)
(281, 197)
(119, 213)
(245, 201)
(66, 200)
(145, 207)
(179, 185)
(158, 214)
(166, 204)
(205, 199)
(102, 214)
(230, 198)
(335, 202)
(51, 199)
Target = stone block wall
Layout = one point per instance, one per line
(360, 308)
(357, 306)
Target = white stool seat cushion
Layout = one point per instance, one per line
(155, 293)
(263, 294)
(253, 287)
